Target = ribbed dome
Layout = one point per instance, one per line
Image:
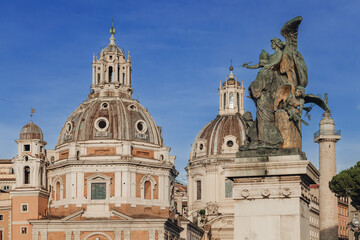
(112, 48)
(222, 135)
(112, 118)
(31, 131)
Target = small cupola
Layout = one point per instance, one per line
(30, 157)
(231, 95)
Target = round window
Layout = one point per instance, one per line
(201, 147)
(101, 124)
(230, 143)
(105, 105)
(140, 126)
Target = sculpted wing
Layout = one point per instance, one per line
(290, 33)
(311, 98)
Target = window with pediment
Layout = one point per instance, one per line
(98, 187)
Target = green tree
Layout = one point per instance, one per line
(347, 184)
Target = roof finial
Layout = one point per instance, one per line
(112, 32)
(32, 113)
(231, 68)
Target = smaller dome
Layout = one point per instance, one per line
(112, 48)
(222, 135)
(31, 131)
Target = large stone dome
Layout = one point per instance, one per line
(110, 119)
(31, 131)
(222, 135)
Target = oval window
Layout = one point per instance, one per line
(140, 126)
(230, 143)
(201, 147)
(68, 127)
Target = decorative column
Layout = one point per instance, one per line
(93, 73)
(77, 235)
(102, 80)
(127, 235)
(43, 235)
(68, 235)
(116, 72)
(328, 204)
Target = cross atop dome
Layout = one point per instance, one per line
(112, 32)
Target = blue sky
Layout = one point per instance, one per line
(180, 50)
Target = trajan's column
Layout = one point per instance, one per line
(327, 138)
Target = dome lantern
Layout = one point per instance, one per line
(231, 95)
(111, 73)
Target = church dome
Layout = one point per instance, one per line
(31, 131)
(226, 132)
(110, 119)
(222, 135)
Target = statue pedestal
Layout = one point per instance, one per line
(271, 196)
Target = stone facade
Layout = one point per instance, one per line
(210, 201)
(110, 176)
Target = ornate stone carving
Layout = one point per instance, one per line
(245, 193)
(212, 208)
(286, 191)
(265, 192)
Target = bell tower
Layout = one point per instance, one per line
(30, 197)
(231, 95)
(111, 72)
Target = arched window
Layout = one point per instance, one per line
(123, 78)
(231, 100)
(41, 176)
(110, 74)
(198, 190)
(224, 100)
(147, 190)
(98, 78)
(57, 191)
(229, 185)
(27, 175)
(148, 185)
(238, 101)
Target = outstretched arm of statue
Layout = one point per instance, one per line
(255, 66)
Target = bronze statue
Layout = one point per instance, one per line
(279, 93)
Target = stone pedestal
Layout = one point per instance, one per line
(271, 195)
